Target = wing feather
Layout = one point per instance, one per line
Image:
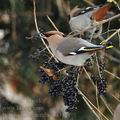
(74, 46)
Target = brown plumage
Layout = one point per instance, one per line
(101, 13)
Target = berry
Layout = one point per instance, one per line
(55, 88)
(44, 79)
(70, 93)
(66, 87)
(101, 84)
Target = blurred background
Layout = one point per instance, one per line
(22, 96)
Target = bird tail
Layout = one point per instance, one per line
(101, 13)
(110, 46)
(96, 48)
(90, 50)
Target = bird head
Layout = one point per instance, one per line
(53, 37)
(75, 12)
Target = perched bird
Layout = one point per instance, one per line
(71, 50)
(82, 19)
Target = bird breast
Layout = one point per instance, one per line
(77, 60)
(80, 23)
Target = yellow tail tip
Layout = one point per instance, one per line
(108, 47)
(110, 1)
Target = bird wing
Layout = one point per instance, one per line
(74, 46)
(100, 14)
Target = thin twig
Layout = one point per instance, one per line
(117, 31)
(109, 19)
(98, 65)
(112, 58)
(88, 104)
(119, 38)
(36, 25)
(98, 106)
(89, 3)
(112, 74)
(102, 98)
(108, 29)
(91, 104)
(112, 30)
(83, 96)
(52, 23)
(115, 97)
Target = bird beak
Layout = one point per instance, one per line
(43, 36)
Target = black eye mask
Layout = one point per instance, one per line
(83, 11)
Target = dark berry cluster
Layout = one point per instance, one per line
(65, 86)
(55, 88)
(101, 84)
(70, 93)
(101, 67)
(100, 79)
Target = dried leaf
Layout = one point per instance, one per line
(50, 73)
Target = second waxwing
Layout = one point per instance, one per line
(83, 19)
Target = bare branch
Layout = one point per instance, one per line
(91, 105)
(52, 23)
(102, 98)
(36, 25)
(117, 31)
(112, 74)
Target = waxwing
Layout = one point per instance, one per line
(71, 50)
(83, 19)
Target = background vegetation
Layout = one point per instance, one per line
(22, 96)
